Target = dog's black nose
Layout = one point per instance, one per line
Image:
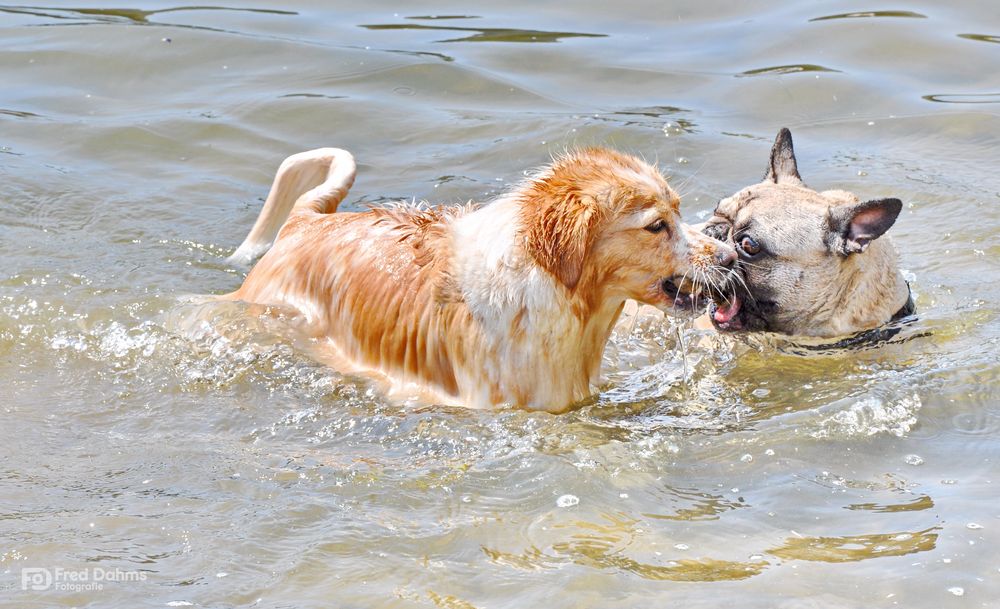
(725, 258)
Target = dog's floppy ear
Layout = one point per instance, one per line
(782, 167)
(854, 225)
(560, 232)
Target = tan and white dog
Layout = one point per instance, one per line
(810, 263)
(507, 303)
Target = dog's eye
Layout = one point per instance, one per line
(749, 245)
(657, 227)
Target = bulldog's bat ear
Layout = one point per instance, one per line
(782, 168)
(854, 225)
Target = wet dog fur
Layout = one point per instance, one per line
(507, 303)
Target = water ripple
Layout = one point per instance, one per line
(872, 14)
(964, 98)
(794, 68)
(488, 34)
(137, 16)
(981, 37)
(854, 548)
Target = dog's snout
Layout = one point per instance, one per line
(725, 257)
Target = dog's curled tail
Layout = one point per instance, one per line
(314, 181)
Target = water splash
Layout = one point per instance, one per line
(871, 416)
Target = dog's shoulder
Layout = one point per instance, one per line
(425, 231)
(417, 222)
(422, 228)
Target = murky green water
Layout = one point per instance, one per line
(227, 469)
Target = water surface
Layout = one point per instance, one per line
(217, 459)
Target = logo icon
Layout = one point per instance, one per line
(36, 578)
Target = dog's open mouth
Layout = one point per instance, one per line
(741, 313)
(726, 315)
(678, 297)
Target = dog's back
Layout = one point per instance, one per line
(378, 280)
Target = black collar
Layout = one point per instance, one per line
(867, 339)
(908, 309)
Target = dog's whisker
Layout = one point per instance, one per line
(682, 283)
(696, 286)
(690, 177)
(705, 282)
(737, 277)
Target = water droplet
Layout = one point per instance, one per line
(914, 460)
(221, 574)
(949, 481)
(746, 458)
(957, 591)
(682, 546)
(862, 173)
(769, 452)
(623, 495)
(870, 123)
(973, 526)
(165, 40)
(567, 501)
(760, 392)
(683, 160)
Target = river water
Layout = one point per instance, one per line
(206, 461)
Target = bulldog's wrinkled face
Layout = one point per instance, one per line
(809, 262)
